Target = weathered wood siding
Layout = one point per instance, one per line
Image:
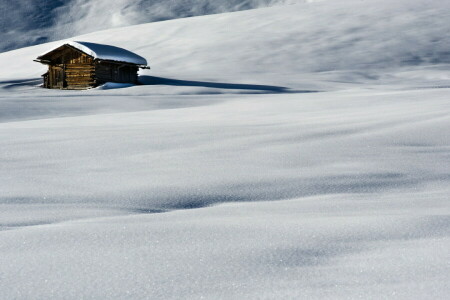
(116, 72)
(56, 76)
(70, 69)
(79, 69)
(80, 75)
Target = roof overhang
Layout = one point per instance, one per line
(102, 53)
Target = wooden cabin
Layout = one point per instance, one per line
(82, 65)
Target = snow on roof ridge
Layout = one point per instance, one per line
(106, 52)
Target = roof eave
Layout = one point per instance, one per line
(121, 62)
(42, 61)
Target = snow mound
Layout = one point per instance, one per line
(114, 85)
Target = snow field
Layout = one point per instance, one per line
(289, 152)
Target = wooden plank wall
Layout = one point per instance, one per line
(79, 70)
(116, 72)
(104, 72)
(80, 75)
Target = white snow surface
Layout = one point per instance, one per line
(107, 52)
(297, 152)
(30, 22)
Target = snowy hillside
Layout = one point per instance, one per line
(29, 22)
(289, 152)
(276, 45)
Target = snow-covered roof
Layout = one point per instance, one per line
(107, 52)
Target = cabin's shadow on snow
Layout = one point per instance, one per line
(9, 84)
(244, 88)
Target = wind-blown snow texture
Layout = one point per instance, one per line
(30, 22)
(268, 154)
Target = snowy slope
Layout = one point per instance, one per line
(30, 22)
(277, 45)
(297, 152)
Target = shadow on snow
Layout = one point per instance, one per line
(252, 88)
(153, 80)
(20, 83)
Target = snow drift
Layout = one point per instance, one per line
(286, 152)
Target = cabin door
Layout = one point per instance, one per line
(59, 76)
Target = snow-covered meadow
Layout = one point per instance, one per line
(296, 152)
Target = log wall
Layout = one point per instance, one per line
(116, 72)
(80, 75)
